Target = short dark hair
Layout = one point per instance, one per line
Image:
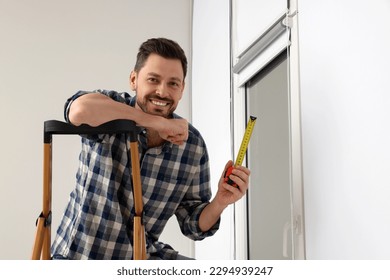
(163, 47)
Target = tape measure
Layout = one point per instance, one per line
(242, 150)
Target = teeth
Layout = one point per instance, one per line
(159, 103)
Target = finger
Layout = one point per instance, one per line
(240, 175)
(241, 178)
(243, 169)
(184, 135)
(231, 189)
(241, 184)
(176, 140)
(234, 190)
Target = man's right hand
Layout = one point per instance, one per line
(173, 130)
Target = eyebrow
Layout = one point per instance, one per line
(159, 76)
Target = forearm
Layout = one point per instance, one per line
(210, 215)
(225, 196)
(95, 108)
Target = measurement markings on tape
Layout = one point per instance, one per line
(242, 151)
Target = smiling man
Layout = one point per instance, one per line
(97, 223)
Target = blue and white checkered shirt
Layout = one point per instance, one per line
(98, 220)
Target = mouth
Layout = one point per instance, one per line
(159, 103)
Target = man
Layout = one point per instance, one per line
(97, 223)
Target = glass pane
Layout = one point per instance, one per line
(269, 196)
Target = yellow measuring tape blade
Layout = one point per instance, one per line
(245, 141)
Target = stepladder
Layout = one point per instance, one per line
(42, 242)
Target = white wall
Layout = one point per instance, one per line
(49, 50)
(211, 108)
(345, 60)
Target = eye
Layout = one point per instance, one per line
(174, 84)
(152, 80)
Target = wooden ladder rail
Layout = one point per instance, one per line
(42, 243)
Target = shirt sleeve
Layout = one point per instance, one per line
(195, 200)
(122, 97)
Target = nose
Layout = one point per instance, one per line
(162, 90)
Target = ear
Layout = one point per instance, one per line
(182, 90)
(133, 80)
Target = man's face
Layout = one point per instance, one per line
(159, 85)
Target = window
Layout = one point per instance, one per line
(270, 223)
(269, 198)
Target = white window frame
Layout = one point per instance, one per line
(244, 66)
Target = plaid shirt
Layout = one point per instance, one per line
(98, 220)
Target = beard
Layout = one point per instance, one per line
(164, 111)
